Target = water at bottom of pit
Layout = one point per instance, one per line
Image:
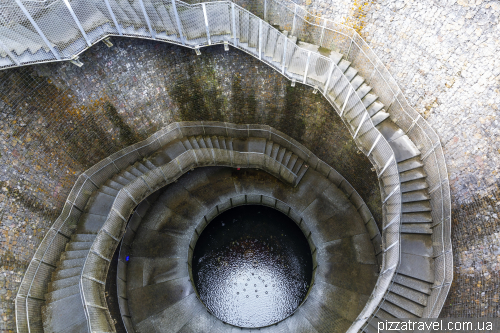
(252, 266)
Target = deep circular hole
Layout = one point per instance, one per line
(252, 266)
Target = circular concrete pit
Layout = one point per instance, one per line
(163, 291)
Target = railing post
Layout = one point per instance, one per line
(113, 17)
(178, 21)
(346, 99)
(265, 10)
(28, 16)
(84, 34)
(146, 17)
(307, 67)
(206, 22)
(330, 72)
(284, 55)
(11, 56)
(322, 33)
(260, 39)
(234, 24)
(294, 19)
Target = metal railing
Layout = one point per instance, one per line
(195, 26)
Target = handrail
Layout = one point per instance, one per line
(220, 18)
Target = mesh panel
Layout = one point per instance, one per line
(98, 319)
(125, 157)
(21, 315)
(94, 267)
(193, 23)
(151, 145)
(92, 19)
(318, 70)
(84, 194)
(93, 292)
(34, 311)
(40, 281)
(155, 179)
(359, 60)
(71, 221)
(219, 21)
(53, 252)
(28, 278)
(114, 224)
(105, 246)
(50, 16)
(168, 30)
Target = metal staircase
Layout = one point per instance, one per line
(413, 184)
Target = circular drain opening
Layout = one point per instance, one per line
(252, 266)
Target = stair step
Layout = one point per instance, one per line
(389, 130)
(379, 117)
(281, 154)
(149, 165)
(77, 246)
(396, 311)
(412, 283)
(420, 217)
(275, 150)
(65, 315)
(141, 167)
(121, 180)
(414, 185)
(160, 158)
(286, 158)
(358, 82)
(83, 237)
(297, 166)
(215, 142)
(412, 175)
(382, 314)
(374, 108)
(108, 190)
(363, 90)
(292, 161)
(369, 329)
(187, 143)
(410, 294)
(135, 172)
(100, 204)
(62, 293)
(222, 143)
(417, 206)
(194, 142)
(91, 224)
(114, 185)
(418, 195)
(416, 228)
(369, 99)
(350, 73)
(66, 255)
(343, 65)
(418, 267)
(201, 142)
(70, 263)
(59, 274)
(402, 302)
(417, 244)
(63, 283)
(404, 148)
(129, 176)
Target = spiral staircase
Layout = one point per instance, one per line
(63, 288)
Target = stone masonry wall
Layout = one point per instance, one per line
(57, 120)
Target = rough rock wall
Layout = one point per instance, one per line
(57, 120)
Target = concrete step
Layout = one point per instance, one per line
(62, 293)
(59, 274)
(350, 73)
(129, 176)
(417, 244)
(149, 165)
(114, 185)
(281, 155)
(412, 283)
(65, 315)
(135, 172)
(222, 143)
(418, 267)
(389, 130)
(396, 311)
(369, 99)
(215, 142)
(70, 263)
(404, 148)
(414, 185)
(416, 228)
(275, 150)
(132, 16)
(83, 237)
(418, 195)
(344, 65)
(410, 164)
(404, 303)
(201, 141)
(420, 217)
(298, 165)
(90, 224)
(208, 141)
(121, 180)
(287, 157)
(141, 167)
(108, 190)
(292, 161)
(77, 246)
(194, 143)
(417, 206)
(410, 294)
(67, 255)
(374, 107)
(412, 175)
(379, 117)
(370, 329)
(358, 82)
(363, 90)
(384, 315)
(63, 283)
(100, 204)
(160, 158)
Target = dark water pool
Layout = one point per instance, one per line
(252, 266)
